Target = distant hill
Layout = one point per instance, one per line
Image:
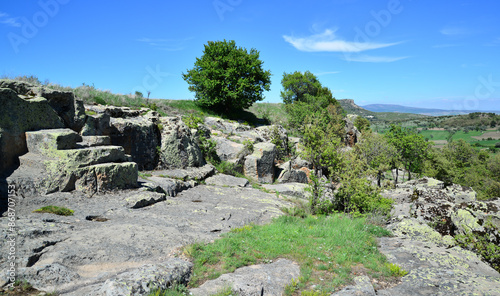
(413, 110)
(351, 108)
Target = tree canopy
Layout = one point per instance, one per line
(228, 77)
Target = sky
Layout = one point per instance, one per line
(420, 53)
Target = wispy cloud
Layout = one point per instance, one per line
(372, 59)
(327, 41)
(495, 42)
(454, 31)
(326, 73)
(165, 44)
(9, 21)
(445, 45)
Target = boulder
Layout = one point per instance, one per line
(140, 137)
(179, 148)
(228, 150)
(96, 125)
(187, 174)
(260, 164)
(277, 135)
(225, 126)
(263, 279)
(144, 199)
(289, 175)
(106, 177)
(227, 180)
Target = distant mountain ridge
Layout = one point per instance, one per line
(415, 110)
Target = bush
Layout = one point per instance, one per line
(497, 145)
(228, 78)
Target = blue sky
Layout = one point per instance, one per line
(440, 54)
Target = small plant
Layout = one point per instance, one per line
(248, 146)
(192, 121)
(175, 290)
(396, 270)
(208, 149)
(90, 112)
(160, 126)
(145, 175)
(55, 210)
(228, 168)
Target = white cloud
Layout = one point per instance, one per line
(9, 21)
(326, 73)
(454, 31)
(372, 59)
(165, 44)
(327, 41)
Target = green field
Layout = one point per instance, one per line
(438, 136)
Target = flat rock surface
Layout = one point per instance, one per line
(105, 237)
(434, 268)
(227, 180)
(262, 279)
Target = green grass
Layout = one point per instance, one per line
(55, 210)
(326, 248)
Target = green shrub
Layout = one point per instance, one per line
(100, 101)
(481, 246)
(192, 121)
(208, 149)
(55, 210)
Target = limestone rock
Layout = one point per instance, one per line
(144, 199)
(262, 279)
(277, 133)
(225, 126)
(226, 180)
(260, 164)
(179, 148)
(228, 150)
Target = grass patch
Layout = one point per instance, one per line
(55, 210)
(325, 247)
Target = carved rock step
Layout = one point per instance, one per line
(49, 140)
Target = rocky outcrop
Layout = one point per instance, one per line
(259, 165)
(289, 174)
(179, 148)
(450, 210)
(263, 279)
(61, 166)
(435, 265)
(17, 116)
(351, 132)
(109, 242)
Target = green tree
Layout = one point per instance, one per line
(411, 148)
(227, 77)
(376, 152)
(304, 96)
(362, 124)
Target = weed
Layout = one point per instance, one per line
(396, 270)
(55, 210)
(90, 112)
